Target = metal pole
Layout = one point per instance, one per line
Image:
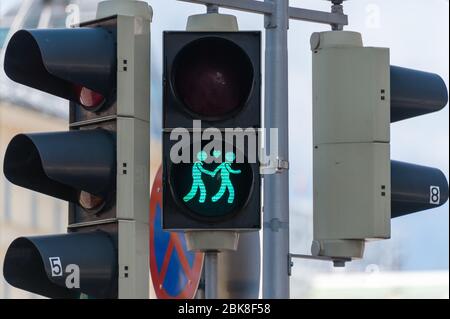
(276, 186)
(211, 274)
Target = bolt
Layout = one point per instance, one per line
(316, 248)
(338, 263)
(315, 41)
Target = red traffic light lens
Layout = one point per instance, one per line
(88, 98)
(213, 77)
(90, 202)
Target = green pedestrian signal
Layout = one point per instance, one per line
(225, 171)
(197, 179)
(216, 185)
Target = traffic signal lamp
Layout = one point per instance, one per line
(415, 187)
(415, 93)
(82, 71)
(77, 166)
(213, 78)
(357, 188)
(31, 264)
(100, 166)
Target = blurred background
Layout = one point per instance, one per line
(414, 263)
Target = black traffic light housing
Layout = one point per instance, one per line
(242, 213)
(81, 69)
(62, 164)
(416, 188)
(31, 264)
(214, 77)
(415, 93)
(78, 166)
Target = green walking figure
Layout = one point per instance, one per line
(197, 183)
(225, 171)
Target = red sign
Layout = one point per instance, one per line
(175, 271)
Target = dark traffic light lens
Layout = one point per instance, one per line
(90, 202)
(213, 77)
(88, 98)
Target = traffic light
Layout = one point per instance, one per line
(100, 166)
(211, 120)
(414, 187)
(357, 188)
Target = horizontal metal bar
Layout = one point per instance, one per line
(261, 7)
(317, 16)
(93, 121)
(93, 223)
(310, 257)
(325, 258)
(242, 5)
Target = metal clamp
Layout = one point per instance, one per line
(276, 166)
(212, 8)
(337, 9)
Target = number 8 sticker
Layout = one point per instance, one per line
(435, 195)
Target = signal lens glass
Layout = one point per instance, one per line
(209, 189)
(89, 201)
(88, 98)
(213, 77)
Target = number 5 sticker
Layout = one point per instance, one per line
(435, 195)
(55, 263)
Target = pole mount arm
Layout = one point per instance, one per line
(337, 261)
(337, 19)
(242, 5)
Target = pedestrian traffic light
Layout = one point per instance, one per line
(357, 188)
(100, 166)
(211, 120)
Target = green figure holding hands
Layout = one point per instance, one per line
(225, 171)
(197, 183)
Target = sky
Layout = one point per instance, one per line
(5, 5)
(417, 32)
